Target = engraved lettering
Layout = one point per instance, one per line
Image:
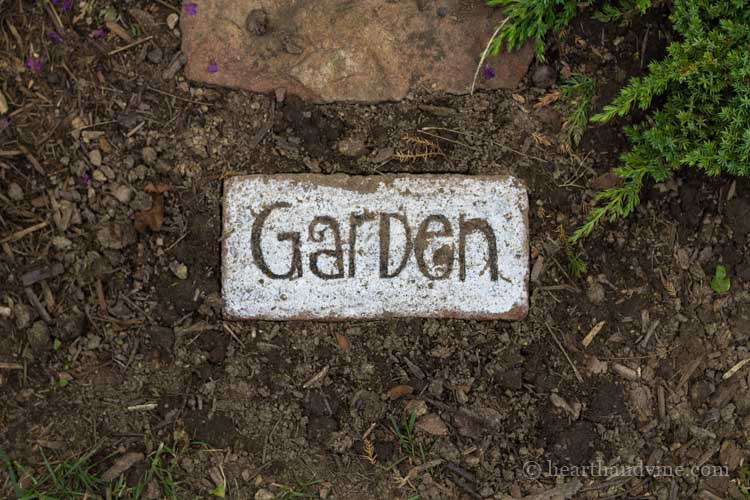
(443, 256)
(469, 226)
(295, 271)
(337, 253)
(385, 244)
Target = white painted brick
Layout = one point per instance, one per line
(290, 289)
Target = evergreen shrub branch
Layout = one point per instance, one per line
(704, 121)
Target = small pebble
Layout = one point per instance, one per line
(172, 20)
(122, 193)
(280, 95)
(149, 155)
(544, 76)
(23, 316)
(442, 11)
(179, 269)
(38, 337)
(263, 494)
(61, 243)
(99, 176)
(156, 55)
(95, 157)
(257, 22)
(15, 192)
(594, 292)
(352, 147)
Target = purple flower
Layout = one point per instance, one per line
(489, 73)
(4, 123)
(86, 179)
(34, 64)
(191, 8)
(99, 33)
(63, 4)
(54, 37)
(213, 68)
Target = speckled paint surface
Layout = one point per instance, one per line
(282, 288)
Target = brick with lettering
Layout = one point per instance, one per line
(335, 247)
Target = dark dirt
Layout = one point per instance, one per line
(137, 319)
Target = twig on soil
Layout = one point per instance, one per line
(143, 407)
(625, 372)
(52, 11)
(484, 54)
(165, 4)
(503, 146)
(443, 138)
(42, 273)
(661, 402)
(10, 366)
(135, 130)
(735, 369)
(100, 298)
(316, 378)
(552, 288)
(593, 333)
(369, 430)
(565, 353)
(34, 162)
(233, 334)
(461, 472)
(24, 232)
(170, 247)
(689, 370)
(37, 304)
(268, 438)
(131, 45)
(564, 491)
(265, 128)
(414, 471)
(168, 94)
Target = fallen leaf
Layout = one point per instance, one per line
(565, 72)
(343, 342)
(399, 391)
(432, 424)
(519, 98)
(119, 31)
(541, 139)
(153, 218)
(547, 99)
(105, 145)
(122, 465)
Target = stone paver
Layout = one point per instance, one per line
(334, 247)
(346, 50)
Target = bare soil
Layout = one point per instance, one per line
(132, 355)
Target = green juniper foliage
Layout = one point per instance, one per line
(531, 19)
(704, 122)
(624, 11)
(576, 92)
